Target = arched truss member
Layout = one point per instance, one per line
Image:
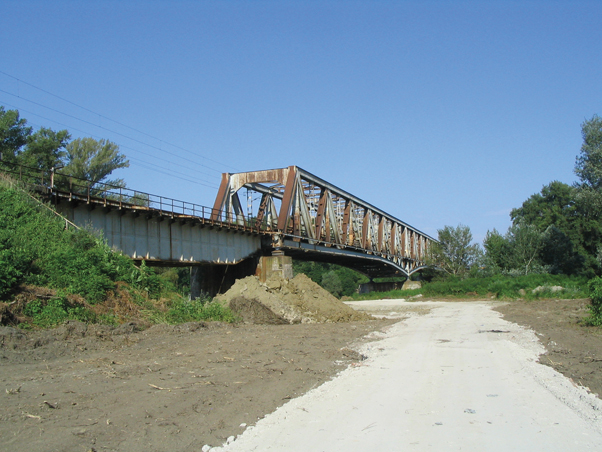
(310, 218)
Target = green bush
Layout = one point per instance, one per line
(182, 311)
(25, 236)
(497, 286)
(56, 311)
(145, 278)
(83, 271)
(509, 287)
(35, 249)
(10, 274)
(339, 281)
(595, 317)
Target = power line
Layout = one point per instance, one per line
(108, 130)
(143, 165)
(112, 120)
(162, 171)
(70, 127)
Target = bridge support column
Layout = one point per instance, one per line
(278, 264)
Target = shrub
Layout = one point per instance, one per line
(56, 311)
(507, 287)
(145, 278)
(80, 271)
(35, 249)
(595, 316)
(182, 311)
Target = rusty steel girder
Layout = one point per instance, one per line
(313, 219)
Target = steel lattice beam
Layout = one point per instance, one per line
(310, 218)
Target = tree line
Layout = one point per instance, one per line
(47, 150)
(556, 231)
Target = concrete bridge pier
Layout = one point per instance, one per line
(275, 264)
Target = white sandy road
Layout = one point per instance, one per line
(458, 378)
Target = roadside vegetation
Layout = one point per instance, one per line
(50, 274)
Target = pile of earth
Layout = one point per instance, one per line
(278, 300)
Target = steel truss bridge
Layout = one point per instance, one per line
(308, 218)
(287, 211)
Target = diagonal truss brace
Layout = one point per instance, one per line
(298, 205)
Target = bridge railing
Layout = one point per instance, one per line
(64, 186)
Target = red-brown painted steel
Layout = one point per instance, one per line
(318, 213)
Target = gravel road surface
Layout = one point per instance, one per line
(456, 378)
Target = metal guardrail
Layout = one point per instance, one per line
(53, 183)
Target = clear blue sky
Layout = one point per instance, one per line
(437, 112)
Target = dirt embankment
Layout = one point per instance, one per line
(92, 388)
(162, 389)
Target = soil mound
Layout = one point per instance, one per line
(299, 300)
(252, 311)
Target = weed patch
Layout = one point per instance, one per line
(182, 311)
(55, 311)
(595, 316)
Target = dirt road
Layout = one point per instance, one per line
(179, 388)
(457, 378)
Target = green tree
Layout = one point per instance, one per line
(454, 254)
(558, 253)
(341, 281)
(570, 235)
(94, 160)
(526, 242)
(14, 134)
(497, 251)
(332, 283)
(556, 205)
(45, 149)
(588, 166)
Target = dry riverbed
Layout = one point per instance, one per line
(79, 388)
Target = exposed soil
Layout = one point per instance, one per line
(163, 389)
(83, 388)
(572, 349)
(299, 300)
(166, 388)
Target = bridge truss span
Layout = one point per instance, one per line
(309, 218)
